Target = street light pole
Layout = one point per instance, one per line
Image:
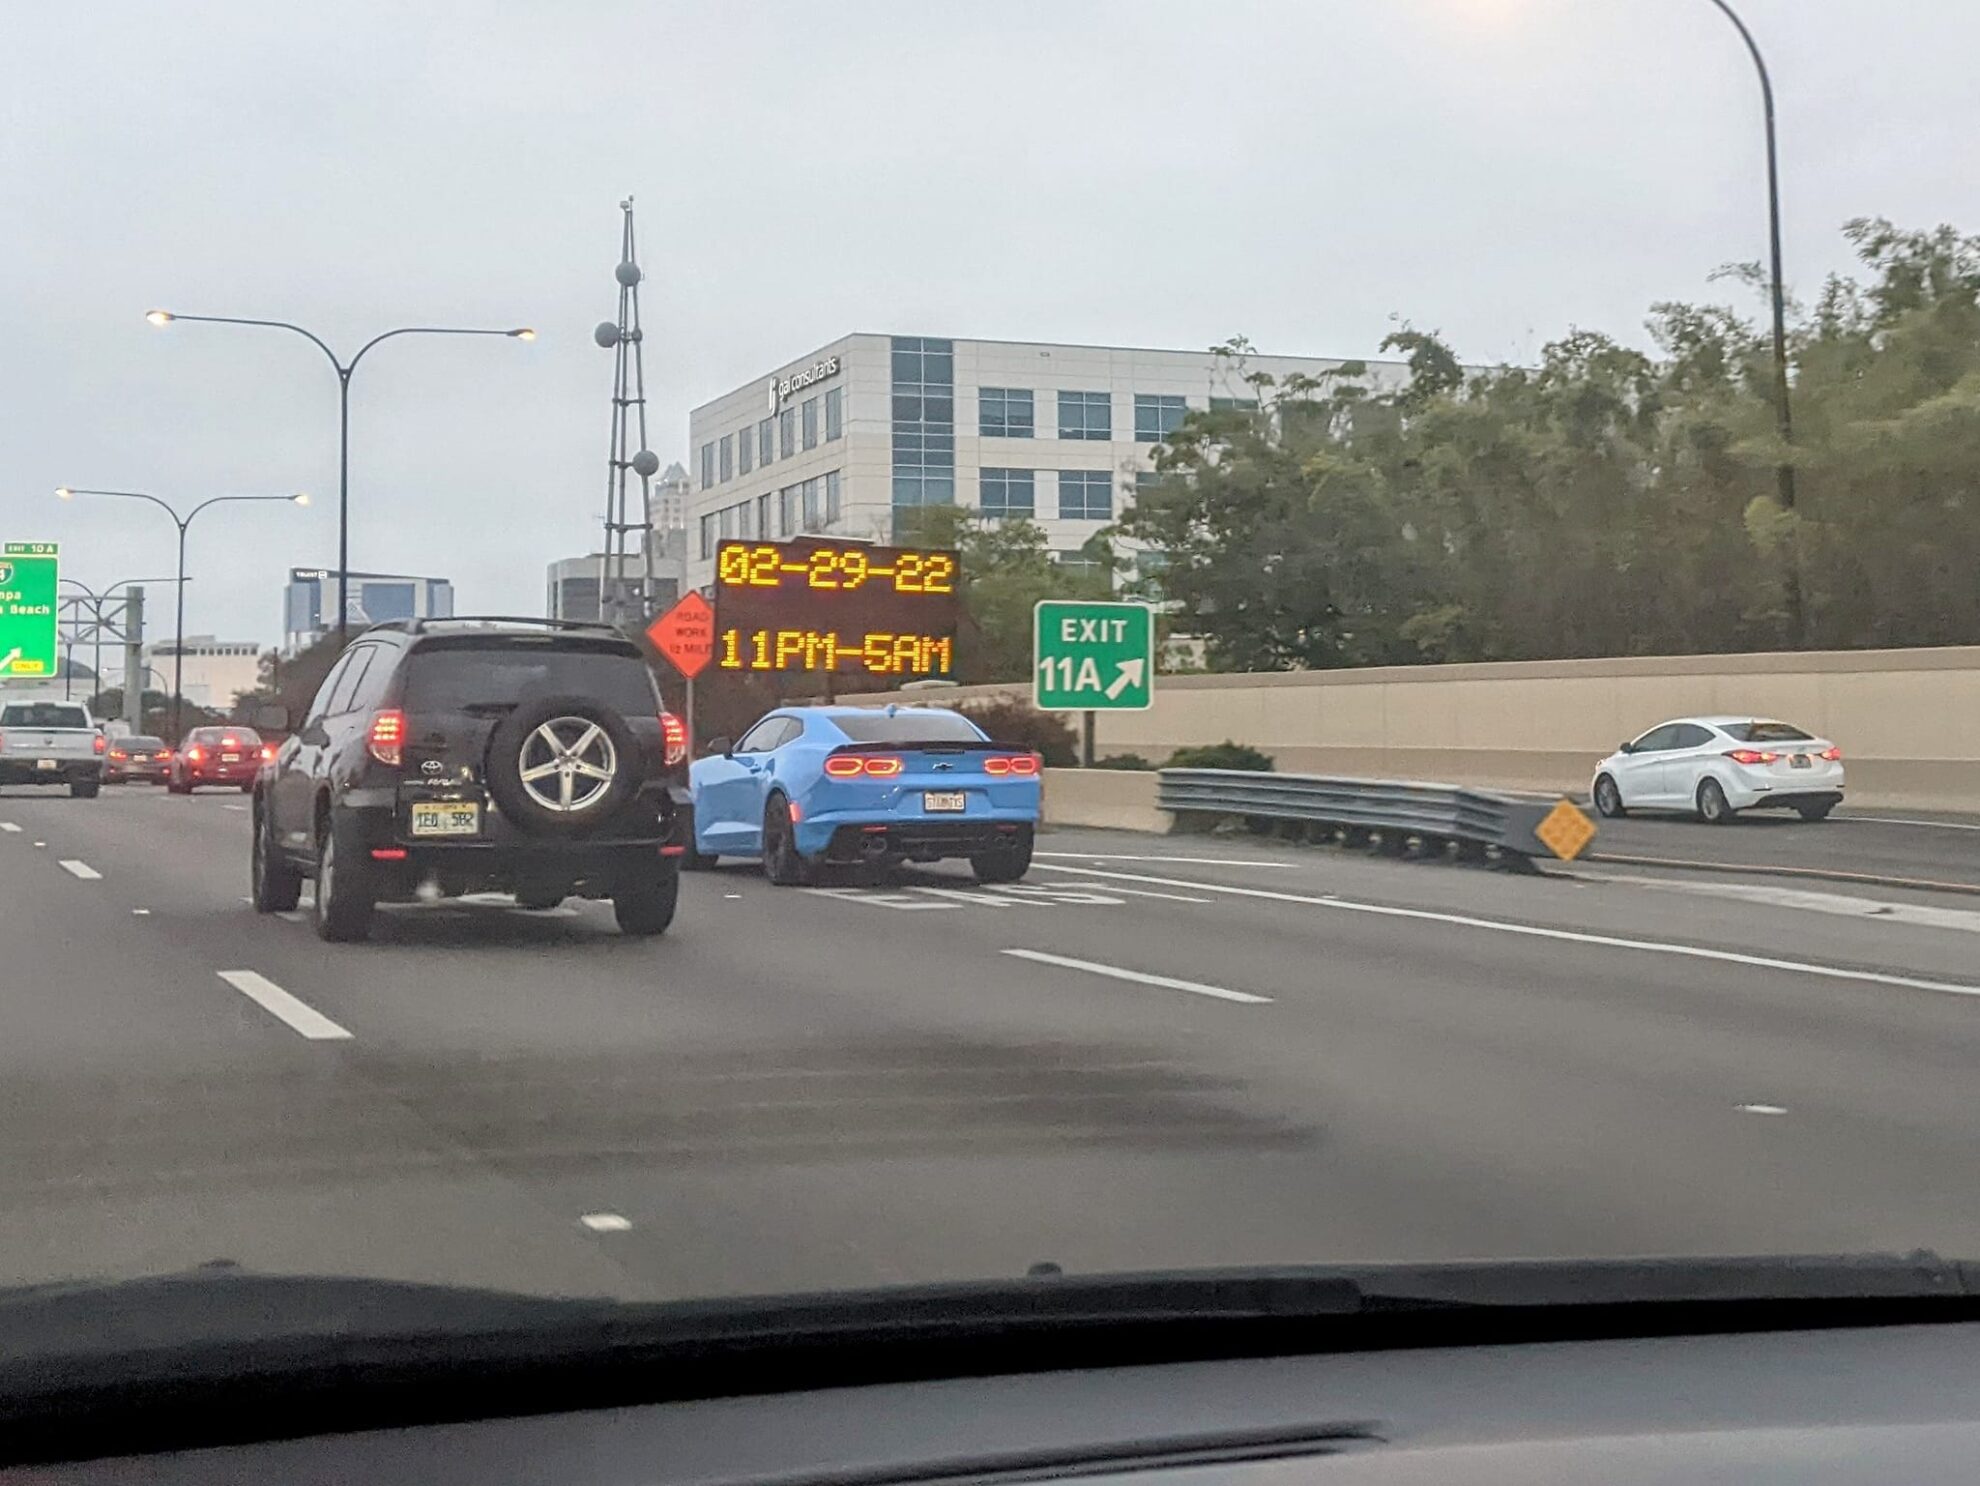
(179, 623)
(1783, 415)
(344, 371)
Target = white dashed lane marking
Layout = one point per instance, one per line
(81, 869)
(1139, 977)
(606, 1222)
(278, 1003)
(10, 828)
(1762, 1109)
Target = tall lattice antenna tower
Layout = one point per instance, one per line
(622, 600)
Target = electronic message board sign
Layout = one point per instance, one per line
(821, 605)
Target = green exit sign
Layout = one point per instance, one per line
(1092, 657)
(27, 609)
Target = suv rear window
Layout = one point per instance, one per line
(455, 675)
(43, 715)
(909, 727)
(1765, 732)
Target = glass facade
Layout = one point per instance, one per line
(1086, 415)
(1156, 417)
(834, 498)
(1007, 493)
(707, 466)
(766, 442)
(810, 412)
(1086, 495)
(924, 424)
(787, 512)
(1004, 413)
(835, 413)
(745, 447)
(786, 433)
(726, 459)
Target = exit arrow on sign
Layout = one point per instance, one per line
(1092, 656)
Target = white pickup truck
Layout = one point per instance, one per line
(51, 743)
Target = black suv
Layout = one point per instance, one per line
(457, 756)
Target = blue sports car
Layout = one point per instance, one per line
(810, 785)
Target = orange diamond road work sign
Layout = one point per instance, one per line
(1565, 831)
(685, 634)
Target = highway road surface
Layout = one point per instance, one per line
(1157, 1051)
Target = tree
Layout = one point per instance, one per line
(1605, 501)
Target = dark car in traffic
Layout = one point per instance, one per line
(137, 756)
(446, 757)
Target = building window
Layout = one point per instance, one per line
(763, 517)
(745, 446)
(787, 512)
(786, 433)
(707, 537)
(1155, 417)
(835, 413)
(1086, 495)
(924, 423)
(727, 521)
(1076, 561)
(707, 466)
(814, 517)
(1086, 415)
(1233, 404)
(810, 411)
(834, 508)
(766, 448)
(1007, 493)
(726, 458)
(1004, 413)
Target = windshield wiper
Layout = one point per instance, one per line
(221, 1355)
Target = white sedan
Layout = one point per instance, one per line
(1717, 766)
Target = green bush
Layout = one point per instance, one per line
(1225, 755)
(1022, 726)
(1122, 761)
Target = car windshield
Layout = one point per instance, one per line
(43, 715)
(454, 675)
(928, 726)
(886, 643)
(1764, 732)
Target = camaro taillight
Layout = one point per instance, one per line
(998, 765)
(1832, 754)
(674, 733)
(1751, 756)
(852, 765)
(101, 744)
(387, 738)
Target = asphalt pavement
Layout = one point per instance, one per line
(1926, 850)
(1155, 1052)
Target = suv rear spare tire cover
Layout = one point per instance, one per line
(563, 765)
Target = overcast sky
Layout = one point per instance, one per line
(1160, 173)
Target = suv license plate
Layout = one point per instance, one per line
(1799, 761)
(951, 801)
(446, 818)
(46, 763)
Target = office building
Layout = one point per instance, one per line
(309, 604)
(215, 670)
(849, 439)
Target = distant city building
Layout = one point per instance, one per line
(215, 670)
(309, 604)
(573, 584)
(855, 436)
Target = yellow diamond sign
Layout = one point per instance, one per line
(1565, 831)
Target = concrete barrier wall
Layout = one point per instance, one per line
(1908, 721)
(1116, 799)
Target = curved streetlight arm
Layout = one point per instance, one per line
(309, 335)
(215, 500)
(419, 330)
(1753, 47)
(164, 506)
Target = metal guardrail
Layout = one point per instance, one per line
(1392, 814)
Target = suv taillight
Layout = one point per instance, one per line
(674, 734)
(387, 738)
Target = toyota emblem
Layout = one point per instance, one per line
(432, 766)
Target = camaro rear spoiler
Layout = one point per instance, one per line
(941, 745)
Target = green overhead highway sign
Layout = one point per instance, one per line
(27, 609)
(1092, 657)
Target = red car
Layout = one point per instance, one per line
(138, 757)
(218, 756)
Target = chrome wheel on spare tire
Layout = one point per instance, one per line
(562, 765)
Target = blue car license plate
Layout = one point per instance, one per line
(950, 801)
